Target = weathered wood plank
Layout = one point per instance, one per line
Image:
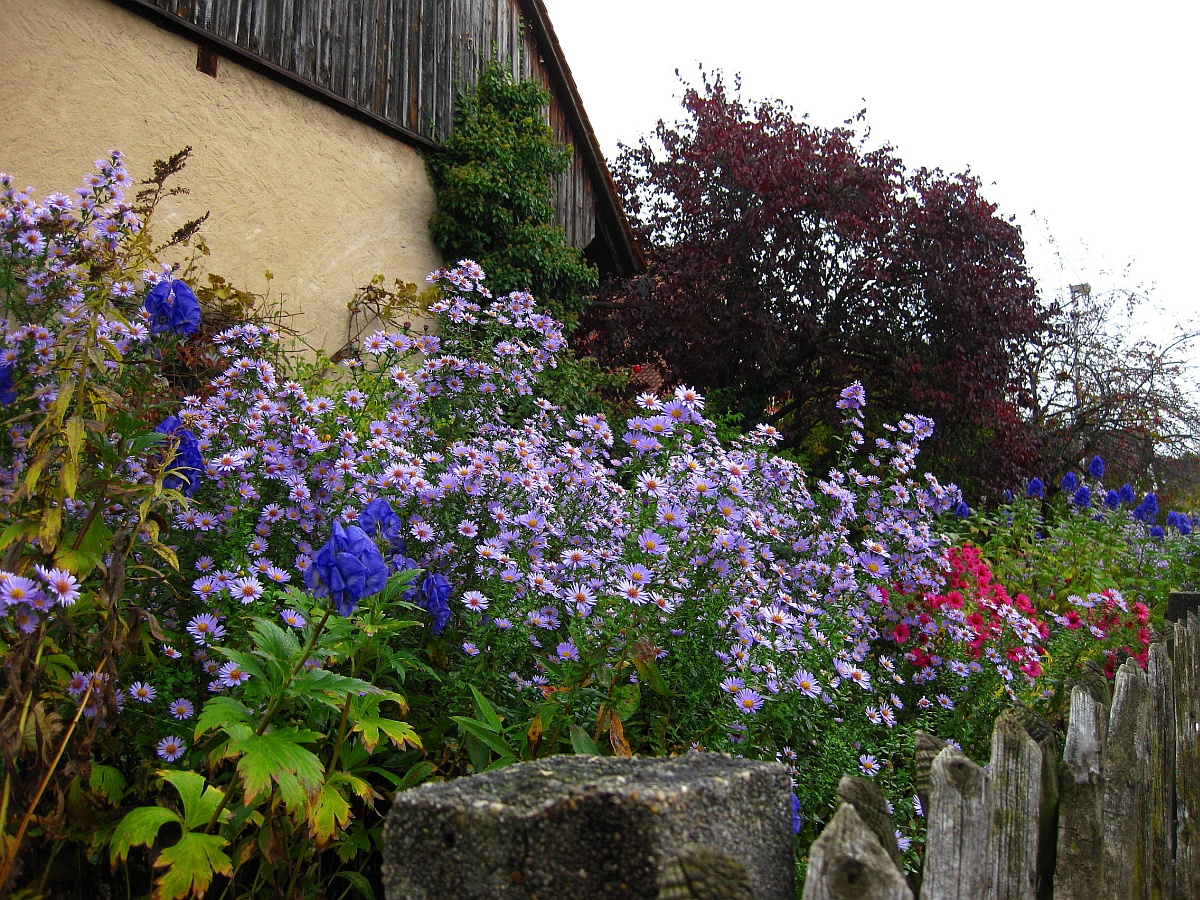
(1187, 757)
(1078, 872)
(1160, 674)
(1014, 801)
(956, 843)
(847, 861)
(1126, 784)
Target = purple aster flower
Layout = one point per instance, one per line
(852, 397)
(247, 589)
(142, 692)
(61, 584)
(567, 651)
(182, 709)
(205, 628)
(869, 765)
(231, 674)
(171, 748)
(652, 542)
(16, 589)
(293, 618)
(748, 701)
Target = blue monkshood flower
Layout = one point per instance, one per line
(1096, 467)
(1070, 482)
(962, 510)
(1112, 499)
(379, 519)
(1157, 533)
(1179, 522)
(1126, 493)
(1007, 496)
(1036, 490)
(173, 308)
(1147, 510)
(1083, 497)
(435, 598)
(348, 568)
(795, 814)
(188, 463)
(8, 393)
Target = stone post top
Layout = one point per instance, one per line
(531, 785)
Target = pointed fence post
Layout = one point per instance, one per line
(1078, 873)
(1161, 833)
(1126, 784)
(847, 862)
(1013, 788)
(956, 843)
(1187, 757)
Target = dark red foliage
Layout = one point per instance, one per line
(787, 261)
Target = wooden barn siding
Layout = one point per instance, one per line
(404, 60)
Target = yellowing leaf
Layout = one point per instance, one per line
(190, 866)
(330, 811)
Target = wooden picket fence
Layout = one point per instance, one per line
(1118, 816)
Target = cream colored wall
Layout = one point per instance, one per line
(294, 186)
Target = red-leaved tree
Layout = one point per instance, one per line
(788, 261)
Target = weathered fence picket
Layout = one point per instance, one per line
(1187, 757)
(956, 843)
(1118, 818)
(847, 861)
(1077, 875)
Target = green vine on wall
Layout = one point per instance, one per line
(493, 179)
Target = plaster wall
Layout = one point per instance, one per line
(292, 185)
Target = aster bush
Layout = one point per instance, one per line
(234, 624)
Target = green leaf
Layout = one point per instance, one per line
(139, 828)
(191, 864)
(277, 757)
(330, 812)
(582, 743)
(321, 681)
(274, 641)
(649, 674)
(221, 712)
(359, 882)
(108, 782)
(415, 775)
(485, 711)
(486, 735)
(200, 799)
(17, 531)
(401, 733)
(626, 700)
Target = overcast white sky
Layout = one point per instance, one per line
(1083, 112)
